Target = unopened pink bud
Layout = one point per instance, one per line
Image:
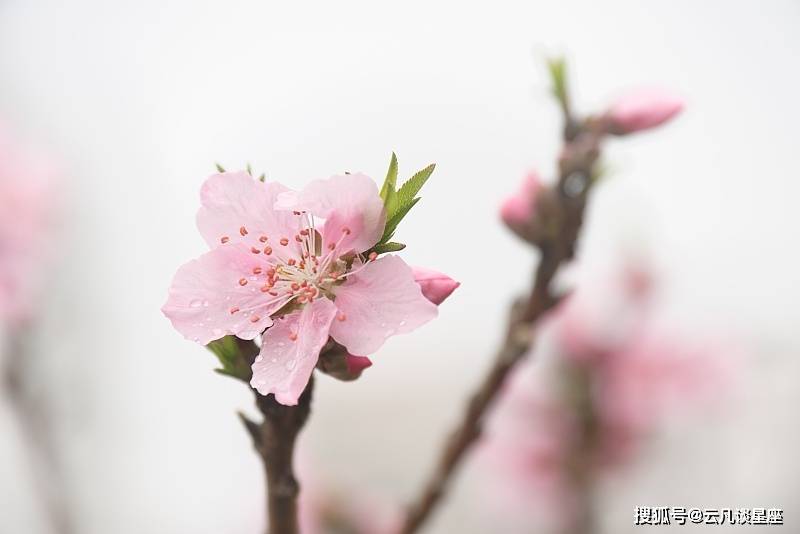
(518, 209)
(357, 364)
(436, 287)
(642, 110)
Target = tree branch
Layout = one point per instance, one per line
(560, 214)
(274, 440)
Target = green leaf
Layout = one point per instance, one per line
(249, 169)
(388, 247)
(389, 184)
(558, 76)
(219, 167)
(263, 177)
(407, 192)
(391, 224)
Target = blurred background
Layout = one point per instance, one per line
(136, 101)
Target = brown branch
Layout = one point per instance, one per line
(559, 219)
(274, 440)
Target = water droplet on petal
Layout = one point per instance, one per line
(196, 303)
(259, 359)
(205, 304)
(290, 364)
(402, 323)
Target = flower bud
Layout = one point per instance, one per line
(642, 110)
(340, 364)
(518, 210)
(357, 364)
(436, 287)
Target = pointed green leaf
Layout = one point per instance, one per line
(249, 169)
(388, 247)
(391, 224)
(405, 195)
(219, 167)
(390, 183)
(263, 177)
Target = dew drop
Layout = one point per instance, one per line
(290, 364)
(402, 323)
(259, 359)
(196, 303)
(205, 304)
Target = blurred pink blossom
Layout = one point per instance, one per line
(270, 249)
(642, 110)
(322, 510)
(27, 201)
(616, 376)
(518, 209)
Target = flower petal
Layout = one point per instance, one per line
(348, 201)
(218, 294)
(290, 349)
(379, 301)
(238, 208)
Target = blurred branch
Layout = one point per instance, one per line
(37, 431)
(560, 213)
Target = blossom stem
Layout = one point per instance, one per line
(274, 441)
(562, 217)
(36, 427)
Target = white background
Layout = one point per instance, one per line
(138, 99)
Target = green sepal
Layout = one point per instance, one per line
(228, 353)
(219, 167)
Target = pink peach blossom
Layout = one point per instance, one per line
(27, 202)
(435, 286)
(643, 110)
(518, 209)
(290, 264)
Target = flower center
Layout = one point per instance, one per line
(299, 268)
